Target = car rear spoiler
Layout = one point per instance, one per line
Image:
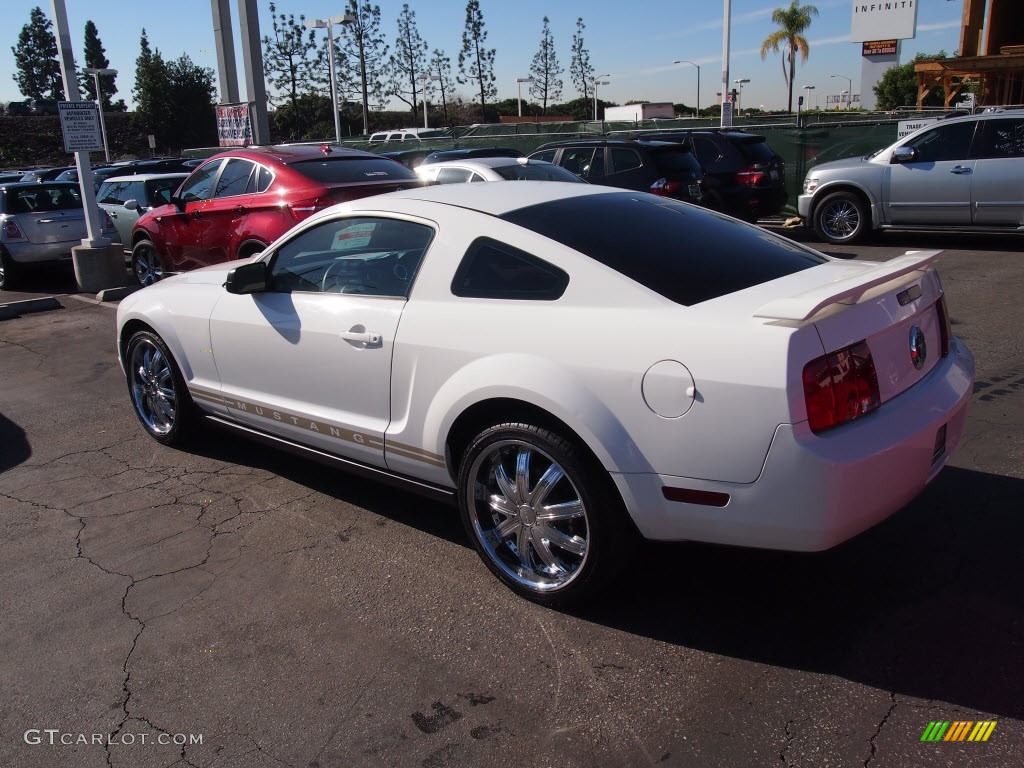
(805, 305)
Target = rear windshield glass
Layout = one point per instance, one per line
(675, 159)
(535, 172)
(684, 253)
(350, 170)
(756, 150)
(43, 198)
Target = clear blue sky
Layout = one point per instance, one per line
(635, 44)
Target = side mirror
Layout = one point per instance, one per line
(177, 202)
(902, 155)
(248, 278)
(131, 204)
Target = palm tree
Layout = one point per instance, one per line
(792, 21)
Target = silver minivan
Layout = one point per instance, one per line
(959, 173)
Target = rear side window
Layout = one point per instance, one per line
(351, 170)
(494, 270)
(1002, 138)
(234, 178)
(686, 254)
(625, 159)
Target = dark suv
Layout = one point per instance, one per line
(663, 168)
(743, 176)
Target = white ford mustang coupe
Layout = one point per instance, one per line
(577, 366)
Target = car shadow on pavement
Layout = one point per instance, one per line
(927, 604)
(14, 447)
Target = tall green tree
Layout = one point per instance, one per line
(476, 60)
(408, 63)
(96, 58)
(367, 49)
(441, 66)
(545, 70)
(792, 22)
(292, 58)
(898, 86)
(580, 70)
(151, 91)
(35, 57)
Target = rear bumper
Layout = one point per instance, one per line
(33, 253)
(816, 491)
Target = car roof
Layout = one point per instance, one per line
(487, 162)
(294, 153)
(37, 185)
(492, 199)
(147, 177)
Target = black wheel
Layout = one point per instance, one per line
(7, 271)
(146, 263)
(842, 218)
(157, 390)
(542, 517)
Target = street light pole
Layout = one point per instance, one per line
(683, 61)
(99, 103)
(740, 82)
(849, 93)
(423, 80)
(329, 25)
(519, 90)
(810, 88)
(598, 81)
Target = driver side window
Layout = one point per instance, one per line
(947, 142)
(367, 255)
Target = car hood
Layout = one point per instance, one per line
(847, 163)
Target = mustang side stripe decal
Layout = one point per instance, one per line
(320, 427)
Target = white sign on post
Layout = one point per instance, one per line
(80, 123)
(726, 114)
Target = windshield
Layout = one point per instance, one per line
(351, 170)
(536, 172)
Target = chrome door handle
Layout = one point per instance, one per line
(239, 209)
(959, 170)
(366, 337)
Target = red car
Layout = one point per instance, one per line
(237, 203)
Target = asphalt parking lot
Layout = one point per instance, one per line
(279, 613)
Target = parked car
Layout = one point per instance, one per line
(575, 366)
(43, 107)
(39, 223)
(43, 174)
(18, 108)
(101, 173)
(743, 175)
(494, 169)
(126, 198)
(961, 173)
(469, 153)
(664, 168)
(409, 134)
(236, 203)
(408, 157)
(6, 177)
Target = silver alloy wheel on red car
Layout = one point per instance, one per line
(146, 263)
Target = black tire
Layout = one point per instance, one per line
(557, 549)
(157, 390)
(147, 265)
(842, 218)
(8, 276)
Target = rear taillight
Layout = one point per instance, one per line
(840, 387)
(753, 175)
(665, 188)
(945, 330)
(12, 231)
(108, 223)
(303, 209)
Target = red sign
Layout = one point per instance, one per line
(234, 128)
(879, 47)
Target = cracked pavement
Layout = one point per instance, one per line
(296, 616)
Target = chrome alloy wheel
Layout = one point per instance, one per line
(147, 266)
(528, 515)
(840, 219)
(152, 383)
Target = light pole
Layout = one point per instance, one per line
(683, 61)
(739, 98)
(99, 102)
(423, 80)
(810, 88)
(598, 81)
(329, 23)
(849, 93)
(519, 91)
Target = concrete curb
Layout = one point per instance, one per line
(116, 294)
(16, 308)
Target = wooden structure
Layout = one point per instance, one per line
(991, 56)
